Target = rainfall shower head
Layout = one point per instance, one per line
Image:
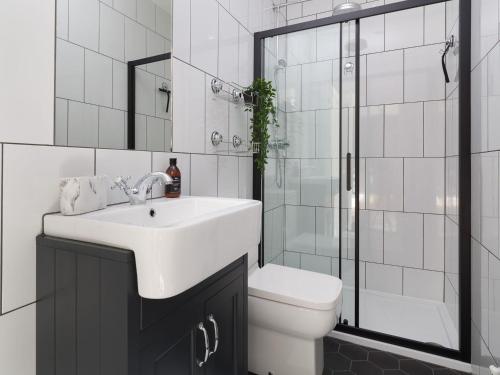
(348, 6)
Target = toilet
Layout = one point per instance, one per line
(289, 313)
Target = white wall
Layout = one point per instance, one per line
(30, 173)
(27, 71)
(485, 144)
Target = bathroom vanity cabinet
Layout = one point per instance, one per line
(91, 319)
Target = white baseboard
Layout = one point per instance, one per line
(410, 353)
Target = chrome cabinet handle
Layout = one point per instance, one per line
(212, 320)
(202, 328)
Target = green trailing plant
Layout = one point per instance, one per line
(263, 111)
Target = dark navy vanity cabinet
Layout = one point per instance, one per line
(92, 321)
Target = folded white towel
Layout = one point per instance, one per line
(79, 195)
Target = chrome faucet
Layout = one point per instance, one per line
(139, 192)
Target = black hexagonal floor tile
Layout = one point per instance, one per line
(414, 367)
(384, 360)
(365, 368)
(330, 345)
(336, 361)
(354, 352)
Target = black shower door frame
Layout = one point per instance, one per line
(464, 351)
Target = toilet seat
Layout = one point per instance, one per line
(295, 287)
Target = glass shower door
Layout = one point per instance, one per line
(308, 217)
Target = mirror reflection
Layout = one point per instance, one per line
(113, 74)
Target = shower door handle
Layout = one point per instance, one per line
(348, 172)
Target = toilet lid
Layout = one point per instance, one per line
(295, 287)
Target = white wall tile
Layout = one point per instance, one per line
(164, 20)
(156, 45)
(204, 35)
(83, 124)
(300, 229)
(372, 30)
(245, 57)
(18, 341)
(292, 259)
(119, 85)
(371, 238)
(70, 62)
(404, 130)
(328, 42)
(47, 166)
(434, 23)
(228, 177)
(371, 133)
(161, 162)
(327, 231)
(316, 263)
(381, 67)
(485, 28)
(493, 100)
(317, 90)
(434, 242)
(98, 79)
(316, 182)
(84, 23)
(490, 201)
(114, 163)
(293, 99)
(145, 92)
(112, 33)
(62, 18)
(384, 184)
(135, 40)
(274, 195)
(111, 128)
(301, 47)
(300, 134)
(384, 278)
(424, 78)
(61, 122)
(404, 29)
(292, 181)
(434, 128)
(239, 9)
(245, 177)
(494, 306)
(188, 108)
(204, 175)
(146, 13)
(479, 107)
(181, 47)
(423, 284)
(228, 47)
(480, 288)
(155, 136)
(403, 239)
(127, 7)
(273, 232)
(27, 74)
(424, 185)
(327, 134)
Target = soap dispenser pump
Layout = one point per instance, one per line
(173, 190)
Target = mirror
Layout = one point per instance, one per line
(113, 74)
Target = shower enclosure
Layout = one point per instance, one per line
(368, 176)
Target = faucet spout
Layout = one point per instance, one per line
(138, 194)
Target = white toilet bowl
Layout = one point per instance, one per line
(289, 312)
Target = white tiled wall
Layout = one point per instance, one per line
(485, 185)
(30, 173)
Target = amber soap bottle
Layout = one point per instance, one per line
(173, 190)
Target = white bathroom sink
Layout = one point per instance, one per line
(182, 243)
